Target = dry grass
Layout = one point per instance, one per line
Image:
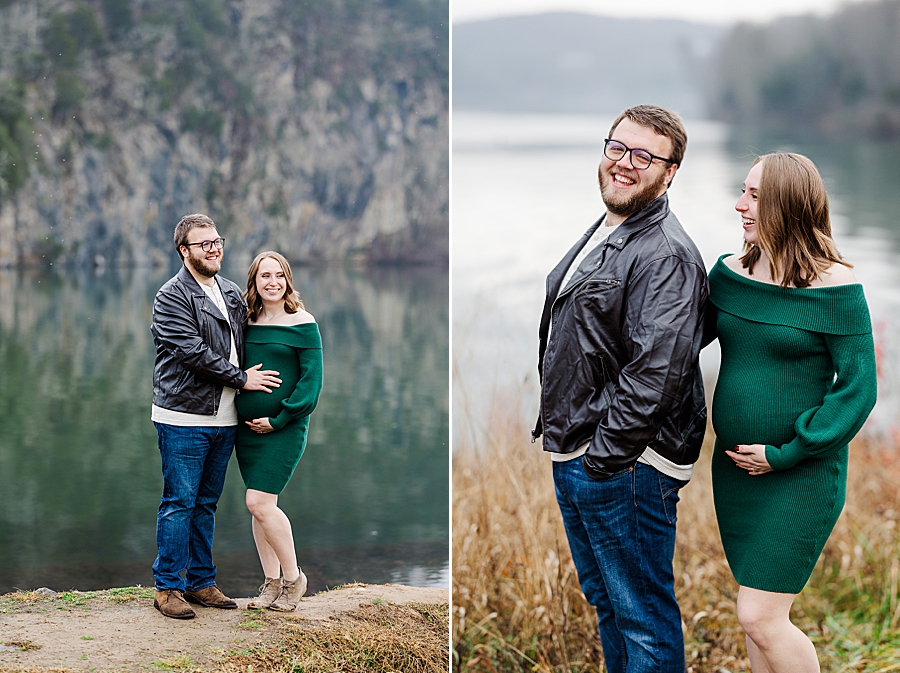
(17, 601)
(517, 605)
(377, 637)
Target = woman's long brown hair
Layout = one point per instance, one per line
(792, 221)
(251, 296)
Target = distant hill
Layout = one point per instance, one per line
(838, 74)
(571, 62)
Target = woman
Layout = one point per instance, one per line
(282, 336)
(796, 382)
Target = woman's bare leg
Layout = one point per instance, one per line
(774, 643)
(272, 527)
(757, 659)
(267, 556)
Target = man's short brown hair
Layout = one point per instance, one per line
(187, 223)
(662, 121)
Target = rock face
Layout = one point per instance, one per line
(318, 128)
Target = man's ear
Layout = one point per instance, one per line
(670, 173)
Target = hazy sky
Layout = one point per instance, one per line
(708, 11)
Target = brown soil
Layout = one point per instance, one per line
(120, 630)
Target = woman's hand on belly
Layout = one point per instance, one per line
(260, 425)
(750, 457)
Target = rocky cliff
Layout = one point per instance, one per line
(316, 128)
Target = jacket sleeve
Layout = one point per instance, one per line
(305, 397)
(846, 405)
(662, 330)
(174, 326)
(710, 325)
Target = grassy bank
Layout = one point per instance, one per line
(517, 604)
(356, 628)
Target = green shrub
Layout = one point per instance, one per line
(119, 19)
(12, 103)
(67, 33)
(207, 13)
(69, 92)
(174, 80)
(59, 43)
(30, 66)
(85, 27)
(12, 166)
(204, 122)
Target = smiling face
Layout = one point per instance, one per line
(206, 264)
(748, 204)
(270, 281)
(626, 190)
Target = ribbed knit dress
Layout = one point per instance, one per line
(268, 460)
(798, 375)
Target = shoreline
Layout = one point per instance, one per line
(119, 629)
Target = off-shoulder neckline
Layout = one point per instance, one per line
(763, 283)
(301, 324)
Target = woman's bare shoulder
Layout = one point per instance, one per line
(300, 317)
(733, 262)
(836, 274)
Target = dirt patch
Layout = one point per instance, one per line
(120, 630)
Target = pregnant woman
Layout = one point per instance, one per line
(796, 383)
(272, 436)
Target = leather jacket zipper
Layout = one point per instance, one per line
(575, 289)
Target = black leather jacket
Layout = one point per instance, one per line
(620, 368)
(193, 343)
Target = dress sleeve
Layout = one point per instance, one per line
(305, 397)
(831, 425)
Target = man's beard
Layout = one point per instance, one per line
(634, 203)
(202, 267)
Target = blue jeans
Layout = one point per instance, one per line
(622, 535)
(194, 460)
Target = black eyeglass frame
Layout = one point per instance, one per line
(629, 151)
(219, 243)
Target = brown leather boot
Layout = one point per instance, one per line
(210, 597)
(290, 595)
(268, 594)
(171, 603)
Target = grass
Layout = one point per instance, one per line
(377, 637)
(23, 645)
(177, 663)
(24, 600)
(518, 606)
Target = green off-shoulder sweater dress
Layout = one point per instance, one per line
(268, 460)
(798, 375)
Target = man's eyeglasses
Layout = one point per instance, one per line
(640, 159)
(206, 246)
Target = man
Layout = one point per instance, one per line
(198, 328)
(622, 405)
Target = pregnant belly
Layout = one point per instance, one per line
(258, 404)
(742, 415)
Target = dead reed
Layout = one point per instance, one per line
(517, 605)
(378, 637)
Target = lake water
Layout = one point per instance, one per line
(80, 477)
(525, 189)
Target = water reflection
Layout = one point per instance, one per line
(860, 175)
(79, 468)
